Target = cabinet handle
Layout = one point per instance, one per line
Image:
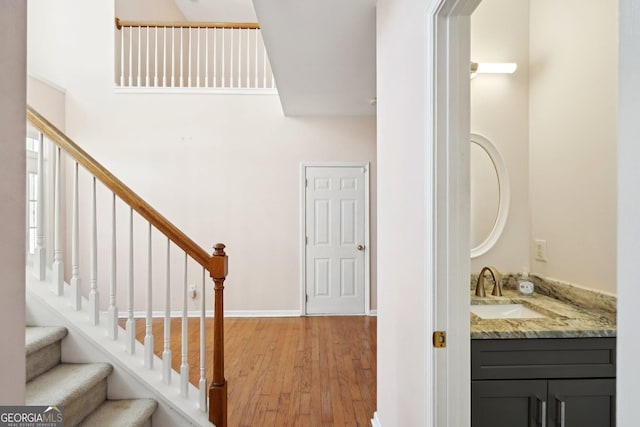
(543, 422)
(562, 412)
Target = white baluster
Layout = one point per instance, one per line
(164, 57)
(122, 56)
(40, 254)
(181, 57)
(184, 367)
(248, 57)
(76, 284)
(139, 63)
(148, 337)
(146, 74)
(231, 61)
(239, 80)
(166, 354)
(255, 83)
(173, 60)
(203, 355)
(58, 266)
(155, 56)
(198, 59)
(131, 322)
(206, 57)
(264, 66)
(130, 83)
(94, 296)
(224, 49)
(189, 55)
(112, 311)
(215, 57)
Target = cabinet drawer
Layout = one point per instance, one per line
(543, 358)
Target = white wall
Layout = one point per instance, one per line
(573, 95)
(148, 10)
(223, 168)
(628, 376)
(12, 193)
(402, 331)
(500, 113)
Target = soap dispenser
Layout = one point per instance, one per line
(525, 287)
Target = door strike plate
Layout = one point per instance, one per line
(439, 339)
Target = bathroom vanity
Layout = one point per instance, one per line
(554, 370)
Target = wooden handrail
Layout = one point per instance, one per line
(120, 189)
(187, 24)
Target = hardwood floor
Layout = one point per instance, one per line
(302, 371)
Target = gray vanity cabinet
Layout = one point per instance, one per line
(561, 382)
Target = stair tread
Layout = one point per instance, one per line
(121, 413)
(38, 337)
(65, 382)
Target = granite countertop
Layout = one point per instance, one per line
(570, 313)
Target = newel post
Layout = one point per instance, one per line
(218, 388)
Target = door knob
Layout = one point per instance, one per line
(360, 248)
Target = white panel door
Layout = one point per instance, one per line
(335, 240)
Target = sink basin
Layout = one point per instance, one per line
(504, 311)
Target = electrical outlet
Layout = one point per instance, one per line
(541, 250)
(193, 293)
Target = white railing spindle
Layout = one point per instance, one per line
(166, 354)
(181, 57)
(198, 58)
(131, 321)
(215, 57)
(248, 58)
(255, 83)
(155, 55)
(94, 296)
(58, 266)
(190, 57)
(231, 60)
(40, 259)
(148, 337)
(130, 57)
(206, 57)
(203, 355)
(146, 72)
(122, 57)
(184, 366)
(164, 58)
(264, 67)
(76, 288)
(173, 57)
(112, 311)
(139, 56)
(239, 81)
(224, 49)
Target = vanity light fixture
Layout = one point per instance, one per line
(493, 68)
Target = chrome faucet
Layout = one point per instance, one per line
(495, 274)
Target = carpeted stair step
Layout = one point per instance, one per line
(122, 413)
(79, 388)
(43, 348)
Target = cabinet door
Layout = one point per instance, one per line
(582, 403)
(508, 403)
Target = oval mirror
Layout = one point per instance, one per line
(489, 195)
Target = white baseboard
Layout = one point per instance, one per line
(375, 421)
(209, 313)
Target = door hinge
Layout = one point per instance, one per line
(440, 339)
(306, 240)
(306, 298)
(306, 182)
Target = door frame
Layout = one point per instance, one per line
(303, 230)
(447, 130)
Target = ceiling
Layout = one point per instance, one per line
(322, 52)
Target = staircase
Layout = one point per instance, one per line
(80, 388)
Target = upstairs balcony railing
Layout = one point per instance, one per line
(192, 55)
